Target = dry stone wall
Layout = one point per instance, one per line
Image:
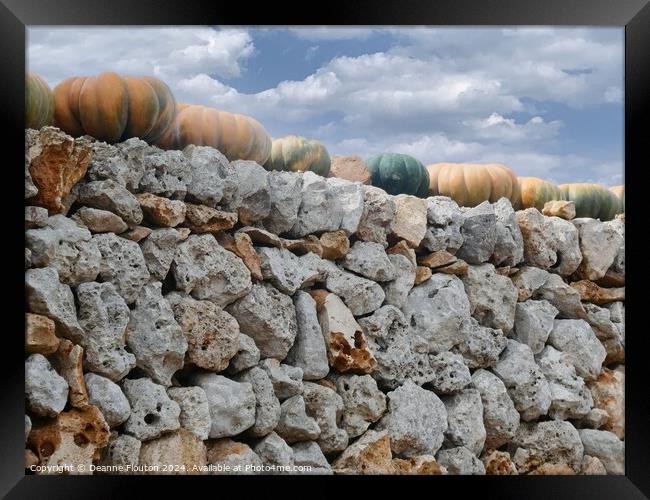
(183, 309)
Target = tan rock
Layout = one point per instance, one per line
(608, 392)
(370, 454)
(100, 221)
(136, 233)
(402, 248)
(592, 466)
(410, 222)
(347, 350)
(437, 259)
(422, 273)
(39, 334)
(335, 245)
(181, 449)
(30, 459)
(241, 245)
(219, 449)
(202, 219)
(352, 168)
(68, 362)
(162, 211)
(73, 438)
(611, 279)
(459, 268)
(183, 233)
(591, 292)
(498, 463)
(423, 465)
(56, 163)
(262, 236)
(615, 351)
(563, 209)
(309, 243)
(551, 469)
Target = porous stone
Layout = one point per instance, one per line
(252, 200)
(565, 298)
(161, 211)
(592, 466)
(326, 407)
(122, 264)
(576, 339)
(68, 362)
(362, 296)
(440, 258)
(351, 168)
(465, 420)
(285, 196)
(334, 244)
(498, 463)
(286, 379)
(421, 465)
(369, 259)
(301, 246)
(274, 453)
(319, 209)
(202, 219)
(295, 425)
(595, 419)
(421, 275)
(46, 392)
(509, 245)
(378, 213)
(589, 291)
(212, 334)
(416, 420)
(450, 372)
(402, 248)
(138, 233)
(35, 217)
(100, 221)
(599, 318)
(122, 162)
(109, 398)
(605, 446)
(410, 220)
(181, 449)
(166, 173)
(608, 392)
(286, 271)
(349, 197)
(230, 457)
(363, 402)
(213, 177)
(534, 322)
(122, 450)
(111, 196)
(104, 316)
(559, 208)
(309, 454)
(155, 338)
(479, 234)
(158, 250)
(232, 404)
(195, 410)
(444, 221)
(308, 352)
(500, 417)
(39, 334)
(207, 271)
(599, 245)
(152, 411)
(460, 461)
(247, 356)
(242, 246)
(479, 346)
(549, 442)
(267, 406)
(370, 454)
(525, 382)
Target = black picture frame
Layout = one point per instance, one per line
(15, 15)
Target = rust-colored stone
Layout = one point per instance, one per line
(459, 268)
(423, 465)
(39, 334)
(551, 469)
(136, 233)
(309, 243)
(351, 168)
(30, 459)
(422, 273)
(608, 392)
(591, 292)
(258, 235)
(202, 219)
(558, 208)
(410, 222)
(402, 248)
(335, 245)
(220, 449)
(498, 463)
(241, 245)
(162, 211)
(182, 449)
(370, 454)
(68, 362)
(437, 259)
(611, 280)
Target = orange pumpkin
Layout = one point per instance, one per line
(112, 108)
(470, 184)
(238, 137)
(39, 102)
(535, 192)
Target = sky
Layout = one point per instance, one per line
(546, 101)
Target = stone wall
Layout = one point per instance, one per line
(185, 310)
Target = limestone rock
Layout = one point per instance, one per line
(335, 244)
(230, 457)
(158, 250)
(287, 272)
(252, 200)
(181, 449)
(100, 221)
(498, 463)
(294, 424)
(111, 196)
(576, 339)
(444, 221)
(242, 246)
(195, 410)
(420, 465)
(605, 446)
(122, 450)
(349, 196)
(138, 233)
(361, 295)
(107, 396)
(379, 210)
(528, 280)
(479, 234)
(410, 221)
(46, 391)
(608, 391)
(213, 177)
(590, 292)
(479, 346)
(559, 208)
(565, 298)
(35, 217)
(152, 411)
(534, 322)
(402, 248)
(509, 245)
(202, 219)
(599, 245)
(286, 379)
(285, 192)
(39, 334)
(319, 209)
(122, 162)
(369, 259)
(451, 373)
(465, 420)
(440, 258)
(166, 173)
(363, 402)
(267, 406)
(592, 466)
(247, 356)
(421, 275)
(550, 442)
(274, 452)
(326, 407)
(351, 168)
(162, 211)
(67, 361)
(370, 454)
(308, 453)
(460, 461)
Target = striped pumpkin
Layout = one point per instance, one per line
(112, 108)
(39, 102)
(398, 173)
(620, 192)
(297, 154)
(470, 184)
(592, 200)
(238, 137)
(535, 192)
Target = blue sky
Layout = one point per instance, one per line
(546, 101)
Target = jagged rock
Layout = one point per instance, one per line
(274, 452)
(370, 454)
(247, 356)
(207, 271)
(550, 442)
(559, 208)
(286, 379)
(28, 258)
(435, 310)
(111, 196)
(509, 245)
(326, 407)
(592, 466)
(460, 461)
(589, 291)
(47, 296)
(242, 246)
(232, 404)
(46, 392)
(402, 248)
(309, 243)
(67, 247)
(350, 197)
(369, 259)
(492, 297)
(444, 220)
(267, 316)
(54, 163)
(363, 402)
(67, 361)
(155, 338)
(294, 424)
(618, 266)
(100, 221)
(262, 236)
(308, 351)
(599, 318)
(410, 220)
(166, 173)
(351, 168)
(498, 463)
(440, 258)
(158, 250)
(230, 457)
(212, 179)
(39, 334)
(195, 410)
(104, 316)
(202, 219)
(161, 211)
(308, 453)
(138, 233)
(378, 213)
(421, 275)
(319, 209)
(285, 191)
(465, 420)
(416, 420)
(595, 419)
(122, 162)
(450, 373)
(576, 339)
(122, 264)
(605, 446)
(212, 334)
(479, 346)
(334, 244)
(252, 200)
(534, 322)
(599, 245)
(479, 233)
(421, 465)
(286, 271)
(109, 398)
(181, 449)
(35, 217)
(267, 406)
(152, 411)
(563, 297)
(608, 392)
(525, 382)
(361, 295)
(344, 339)
(122, 450)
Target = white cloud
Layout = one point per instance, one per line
(496, 127)
(315, 34)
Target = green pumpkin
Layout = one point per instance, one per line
(297, 154)
(39, 102)
(537, 192)
(592, 200)
(398, 173)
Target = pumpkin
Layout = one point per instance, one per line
(592, 200)
(297, 154)
(112, 108)
(470, 184)
(398, 173)
(620, 192)
(536, 192)
(238, 137)
(39, 102)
